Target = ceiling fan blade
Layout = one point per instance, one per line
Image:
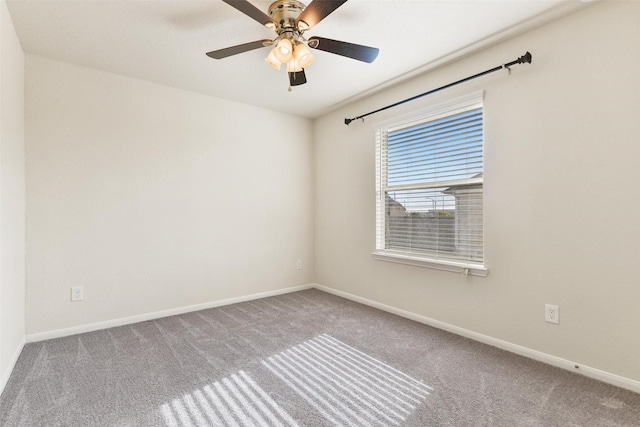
(317, 11)
(297, 78)
(234, 50)
(251, 11)
(350, 50)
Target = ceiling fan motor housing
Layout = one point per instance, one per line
(285, 13)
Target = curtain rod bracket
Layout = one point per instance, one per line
(526, 58)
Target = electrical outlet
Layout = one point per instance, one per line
(77, 293)
(299, 264)
(551, 313)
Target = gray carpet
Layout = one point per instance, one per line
(302, 359)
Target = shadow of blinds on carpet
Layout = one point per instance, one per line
(234, 401)
(347, 386)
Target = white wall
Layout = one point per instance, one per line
(153, 198)
(12, 196)
(561, 195)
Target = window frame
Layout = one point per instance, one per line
(427, 114)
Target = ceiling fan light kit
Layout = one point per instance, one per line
(290, 19)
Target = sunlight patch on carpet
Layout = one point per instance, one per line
(233, 401)
(347, 386)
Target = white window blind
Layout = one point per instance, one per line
(429, 186)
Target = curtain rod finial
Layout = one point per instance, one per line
(347, 121)
(525, 58)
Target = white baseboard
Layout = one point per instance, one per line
(12, 364)
(65, 332)
(587, 371)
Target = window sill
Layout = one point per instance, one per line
(455, 267)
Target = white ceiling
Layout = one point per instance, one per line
(165, 42)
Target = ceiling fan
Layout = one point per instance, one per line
(290, 19)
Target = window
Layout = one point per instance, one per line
(429, 173)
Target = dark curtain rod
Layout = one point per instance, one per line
(524, 58)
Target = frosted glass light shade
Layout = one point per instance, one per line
(303, 55)
(293, 66)
(283, 50)
(272, 60)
